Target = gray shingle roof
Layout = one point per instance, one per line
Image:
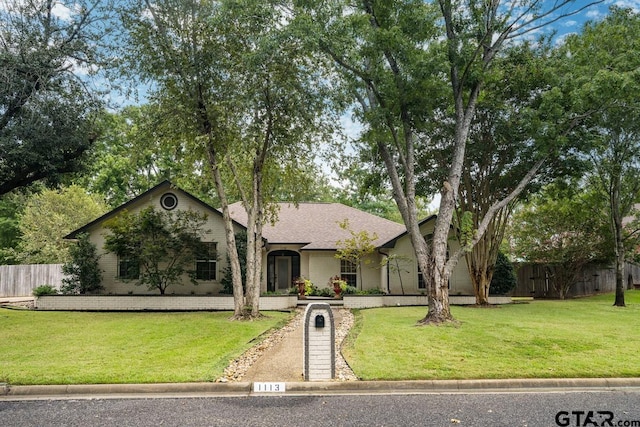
(315, 225)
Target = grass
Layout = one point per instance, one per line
(578, 338)
(96, 348)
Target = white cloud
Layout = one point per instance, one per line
(594, 14)
(61, 11)
(628, 4)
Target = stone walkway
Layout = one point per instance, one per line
(278, 357)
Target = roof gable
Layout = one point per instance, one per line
(164, 186)
(314, 226)
(392, 242)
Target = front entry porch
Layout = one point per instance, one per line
(282, 267)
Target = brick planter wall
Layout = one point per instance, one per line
(370, 301)
(225, 303)
(154, 303)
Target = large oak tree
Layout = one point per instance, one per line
(47, 111)
(396, 59)
(604, 85)
(236, 84)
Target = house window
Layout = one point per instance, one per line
(349, 272)
(168, 201)
(128, 269)
(421, 283)
(207, 263)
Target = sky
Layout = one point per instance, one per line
(574, 24)
(563, 28)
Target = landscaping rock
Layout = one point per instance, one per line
(239, 367)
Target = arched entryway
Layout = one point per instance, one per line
(282, 267)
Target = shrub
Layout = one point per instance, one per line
(45, 290)
(375, 291)
(326, 292)
(350, 290)
(83, 274)
(227, 282)
(504, 277)
(310, 288)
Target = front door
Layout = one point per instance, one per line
(283, 272)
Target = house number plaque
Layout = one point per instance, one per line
(268, 387)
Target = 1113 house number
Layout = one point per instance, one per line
(268, 387)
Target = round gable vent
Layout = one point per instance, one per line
(168, 201)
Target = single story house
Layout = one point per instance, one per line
(301, 243)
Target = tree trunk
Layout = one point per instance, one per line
(481, 260)
(481, 286)
(404, 197)
(481, 263)
(232, 250)
(618, 232)
(252, 302)
(439, 310)
(254, 250)
(619, 302)
(255, 307)
(620, 260)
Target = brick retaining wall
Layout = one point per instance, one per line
(154, 303)
(225, 303)
(370, 301)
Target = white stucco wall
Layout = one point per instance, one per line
(322, 266)
(214, 233)
(403, 268)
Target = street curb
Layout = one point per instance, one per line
(321, 388)
(465, 385)
(109, 389)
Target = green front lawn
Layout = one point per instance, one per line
(95, 348)
(585, 337)
(577, 338)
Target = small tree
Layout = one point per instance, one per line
(356, 248)
(50, 215)
(163, 243)
(504, 277)
(82, 271)
(564, 230)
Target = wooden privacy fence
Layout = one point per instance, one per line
(534, 281)
(21, 280)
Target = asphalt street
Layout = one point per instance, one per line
(558, 408)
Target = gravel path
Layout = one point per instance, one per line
(239, 367)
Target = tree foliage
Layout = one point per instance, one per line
(410, 65)
(356, 248)
(504, 278)
(48, 217)
(241, 90)
(47, 112)
(164, 244)
(11, 206)
(134, 152)
(564, 231)
(83, 275)
(605, 87)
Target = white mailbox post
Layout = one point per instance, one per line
(319, 343)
